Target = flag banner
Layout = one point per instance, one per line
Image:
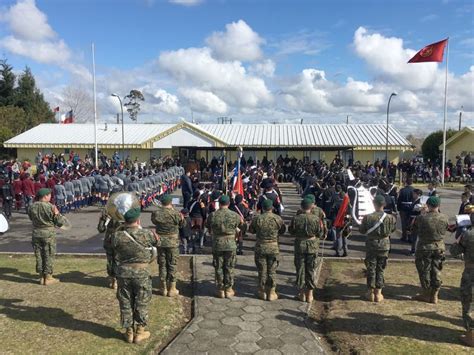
(431, 53)
(56, 109)
(339, 221)
(67, 118)
(237, 186)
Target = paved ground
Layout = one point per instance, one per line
(84, 238)
(246, 324)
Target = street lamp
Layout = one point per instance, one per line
(386, 138)
(123, 132)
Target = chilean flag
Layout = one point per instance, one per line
(68, 117)
(238, 185)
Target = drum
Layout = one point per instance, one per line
(3, 224)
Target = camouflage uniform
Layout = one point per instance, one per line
(307, 230)
(377, 246)
(429, 254)
(167, 222)
(466, 246)
(133, 275)
(44, 235)
(109, 228)
(267, 226)
(223, 224)
(317, 211)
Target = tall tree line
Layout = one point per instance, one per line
(22, 105)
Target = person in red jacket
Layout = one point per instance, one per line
(38, 184)
(50, 183)
(18, 189)
(28, 191)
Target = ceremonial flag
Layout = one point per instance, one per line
(68, 117)
(56, 109)
(339, 221)
(431, 53)
(238, 186)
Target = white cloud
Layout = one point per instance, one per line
(186, 2)
(264, 68)
(197, 67)
(238, 42)
(204, 101)
(166, 102)
(305, 42)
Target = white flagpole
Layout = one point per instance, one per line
(95, 107)
(443, 160)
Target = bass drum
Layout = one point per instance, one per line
(120, 203)
(3, 224)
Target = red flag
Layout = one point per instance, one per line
(238, 187)
(339, 221)
(68, 118)
(56, 109)
(431, 53)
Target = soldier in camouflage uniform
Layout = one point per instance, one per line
(429, 255)
(168, 221)
(307, 229)
(133, 252)
(222, 225)
(318, 211)
(109, 226)
(465, 245)
(45, 217)
(378, 226)
(267, 227)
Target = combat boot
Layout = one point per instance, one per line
(370, 295)
(434, 295)
(272, 295)
(262, 294)
(162, 291)
(301, 296)
(378, 297)
(229, 292)
(424, 296)
(220, 293)
(50, 280)
(128, 335)
(172, 290)
(141, 334)
(468, 338)
(112, 283)
(309, 295)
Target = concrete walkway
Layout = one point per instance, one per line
(246, 324)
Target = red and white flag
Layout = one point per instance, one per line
(431, 53)
(56, 109)
(67, 118)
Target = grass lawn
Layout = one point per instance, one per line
(396, 326)
(78, 315)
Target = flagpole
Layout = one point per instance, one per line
(443, 160)
(95, 108)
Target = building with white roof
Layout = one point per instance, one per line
(192, 141)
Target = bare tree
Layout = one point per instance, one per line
(133, 104)
(79, 100)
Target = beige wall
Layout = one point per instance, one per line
(464, 143)
(372, 155)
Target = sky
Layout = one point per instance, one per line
(255, 61)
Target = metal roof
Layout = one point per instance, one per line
(246, 135)
(306, 135)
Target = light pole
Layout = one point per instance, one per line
(386, 137)
(123, 132)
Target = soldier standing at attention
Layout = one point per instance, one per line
(133, 254)
(45, 218)
(109, 226)
(168, 221)
(307, 229)
(465, 245)
(377, 226)
(429, 255)
(267, 226)
(222, 225)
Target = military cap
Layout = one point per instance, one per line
(224, 200)
(306, 203)
(43, 192)
(267, 204)
(310, 197)
(166, 199)
(379, 200)
(433, 201)
(132, 215)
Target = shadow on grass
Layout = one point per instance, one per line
(54, 317)
(82, 278)
(13, 275)
(439, 317)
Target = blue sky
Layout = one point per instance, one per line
(302, 55)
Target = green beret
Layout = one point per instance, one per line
(43, 192)
(224, 200)
(379, 200)
(306, 203)
(166, 199)
(132, 215)
(310, 197)
(433, 201)
(267, 204)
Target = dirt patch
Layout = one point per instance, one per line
(398, 325)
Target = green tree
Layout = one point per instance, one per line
(14, 119)
(430, 146)
(7, 83)
(133, 104)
